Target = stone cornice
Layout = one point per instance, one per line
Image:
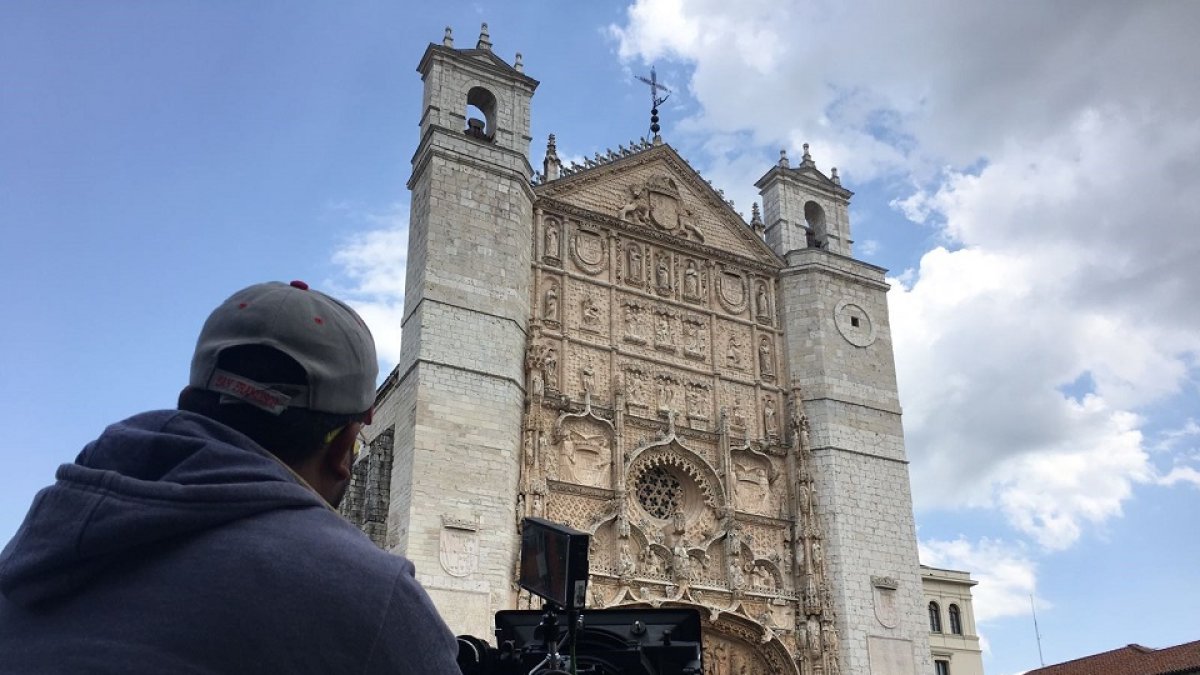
(550, 204)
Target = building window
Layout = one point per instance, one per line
(941, 667)
(955, 620)
(935, 618)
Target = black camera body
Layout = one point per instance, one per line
(621, 641)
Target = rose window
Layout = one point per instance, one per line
(659, 492)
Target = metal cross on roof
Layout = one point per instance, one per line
(655, 101)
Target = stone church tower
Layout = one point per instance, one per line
(613, 347)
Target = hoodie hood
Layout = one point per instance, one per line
(154, 477)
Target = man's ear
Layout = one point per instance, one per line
(339, 454)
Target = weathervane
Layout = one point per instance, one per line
(655, 101)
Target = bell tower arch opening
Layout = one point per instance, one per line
(481, 113)
(816, 235)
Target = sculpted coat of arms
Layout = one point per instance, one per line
(657, 203)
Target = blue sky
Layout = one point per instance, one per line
(1024, 171)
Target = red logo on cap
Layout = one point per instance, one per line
(300, 284)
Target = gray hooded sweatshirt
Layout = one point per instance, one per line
(175, 544)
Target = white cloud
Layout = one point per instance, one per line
(1055, 147)
(372, 270)
(1007, 576)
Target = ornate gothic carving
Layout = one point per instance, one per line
(657, 202)
(655, 422)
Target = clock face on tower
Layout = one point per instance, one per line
(854, 324)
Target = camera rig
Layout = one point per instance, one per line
(620, 641)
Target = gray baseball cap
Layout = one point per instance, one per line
(327, 338)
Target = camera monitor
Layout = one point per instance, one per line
(554, 562)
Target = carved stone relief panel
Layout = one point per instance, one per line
(738, 402)
(736, 349)
(636, 321)
(585, 453)
(589, 250)
(658, 203)
(724, 656)
(574, 510)
(755, 476)
(638, 383)
(732, 291)
(699, 408)
(695, 336)
(668, 393)
(588, 373)
(588, 307)
(666, 330)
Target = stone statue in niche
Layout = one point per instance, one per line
(733, 355)
(691, 336)
(813, 633)
(666, 395)
(662, 273)
(651, 562)
(551, 241)
(536, 384)
(634, 256)
(736, 578)
(765, 362)
(627, 566)
(738, 416)
(547, 458)
(770, 417)
(831, 638)
(681, 564)
(694, 405)
(587, 377)
(550, 368)
(550, 308)
(760, 300)
(633, 323)
(763, 577)
(589, 312)
(691, 280)
(637, 389)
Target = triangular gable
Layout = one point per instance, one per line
(657, 190)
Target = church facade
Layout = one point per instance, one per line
(613, 347)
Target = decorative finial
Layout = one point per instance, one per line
(485, 40)
(756, 222)
(519, 63)
(807, 158)
(551, 166)
(448, 39)
(833, 176)
(783, 160)
(655, 101)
